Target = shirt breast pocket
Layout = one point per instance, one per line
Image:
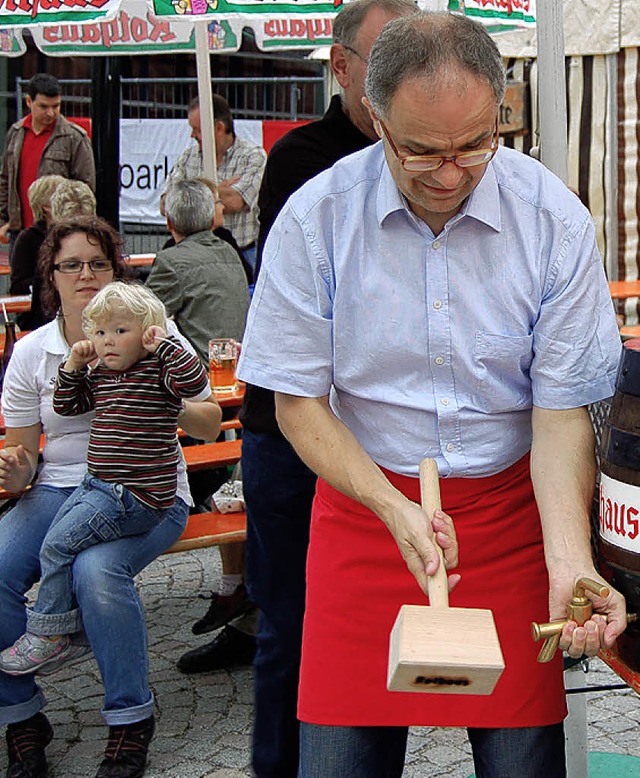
(501, 368)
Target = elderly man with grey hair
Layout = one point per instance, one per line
(437, 295)
(200, 280)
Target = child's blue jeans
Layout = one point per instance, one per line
(96, 512)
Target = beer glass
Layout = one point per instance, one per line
(223, 359)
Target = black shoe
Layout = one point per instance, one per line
(230, 647)
(26, 742)
(222, 610)
(126, 753)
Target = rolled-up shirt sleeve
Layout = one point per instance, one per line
(288, 341)
(576, 340)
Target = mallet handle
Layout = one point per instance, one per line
(430, 497)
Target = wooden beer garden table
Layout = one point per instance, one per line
(2, 339)
(140, 260)
(15, 303)
(230, 399)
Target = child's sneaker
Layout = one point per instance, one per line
(31, 652)
(75, 653)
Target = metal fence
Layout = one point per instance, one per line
(286, 98)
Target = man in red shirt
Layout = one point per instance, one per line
(42, 143)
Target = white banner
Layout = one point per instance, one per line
(148, 151)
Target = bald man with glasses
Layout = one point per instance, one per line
(437, 295)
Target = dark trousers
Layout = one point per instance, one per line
(278, 491)
(379, 752)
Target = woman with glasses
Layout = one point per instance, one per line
(79, 257)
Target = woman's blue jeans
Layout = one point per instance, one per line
(112, 614)
(379, 752)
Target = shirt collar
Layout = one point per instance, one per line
(54, 341)
(483, 204)
(27, 122)
(390, 199)
(228, 154)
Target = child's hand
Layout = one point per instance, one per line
(151, 337)
(82, 353)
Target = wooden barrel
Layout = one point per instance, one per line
(619, 519)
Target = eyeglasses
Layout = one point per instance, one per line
(357, 53)
(71, 266)
(421, 163)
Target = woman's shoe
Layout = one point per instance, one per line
(26, 742)
(126, 753)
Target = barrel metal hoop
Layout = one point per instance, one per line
(628, 380)
(623, 449)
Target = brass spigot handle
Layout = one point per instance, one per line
(549, 648)
(547, 630)
(588, 584)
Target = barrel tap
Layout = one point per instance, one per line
(579, 609)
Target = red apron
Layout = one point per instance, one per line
(357, 581)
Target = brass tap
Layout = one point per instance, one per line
(579, 609)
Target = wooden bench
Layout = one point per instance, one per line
(211, 529)
(629, 331)
(622, 290)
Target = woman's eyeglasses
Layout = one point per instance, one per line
(71, 266)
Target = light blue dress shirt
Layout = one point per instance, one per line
(434, 346)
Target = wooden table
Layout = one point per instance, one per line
(140, 260)
(209, 456)
(16, 303)
(230, 399)
(2, 339)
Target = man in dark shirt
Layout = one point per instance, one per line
(278, 487)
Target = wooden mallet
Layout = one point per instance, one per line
(436, 648)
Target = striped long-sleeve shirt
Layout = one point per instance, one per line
(133, 438)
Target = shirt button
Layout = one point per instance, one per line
(445, 401)
(439, 360)
(437, 304)
(450, 447)
(436, 244)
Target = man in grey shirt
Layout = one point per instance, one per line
(200, 280)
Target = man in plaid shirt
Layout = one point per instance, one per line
(240, 165)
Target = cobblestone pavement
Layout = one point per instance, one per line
(204, 721)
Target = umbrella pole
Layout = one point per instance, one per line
(552, 91)
(203, 67)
